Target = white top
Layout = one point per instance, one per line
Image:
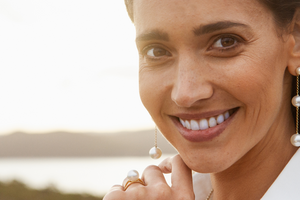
(286, 185)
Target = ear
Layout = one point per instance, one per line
(294, 61)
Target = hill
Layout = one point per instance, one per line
(64, 144)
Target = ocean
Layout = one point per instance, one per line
(73, 175)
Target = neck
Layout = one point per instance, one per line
(254, 173)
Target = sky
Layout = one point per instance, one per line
(68, 65)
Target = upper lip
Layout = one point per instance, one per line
(202, 115)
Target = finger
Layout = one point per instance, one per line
(115, 192)
(116, 188)
(166, 165)
(181, 177)
(152, 175)
(125, 181)
(134, 186)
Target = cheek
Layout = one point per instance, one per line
(151, 90)
(255, 79)
(155, 86)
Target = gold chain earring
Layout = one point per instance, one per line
(295, 139)
(155, 152)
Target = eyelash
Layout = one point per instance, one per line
(149, 47)
(237, 42)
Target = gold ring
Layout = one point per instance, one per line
(129, 182)
(132, 177)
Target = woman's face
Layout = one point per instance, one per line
(212, 76)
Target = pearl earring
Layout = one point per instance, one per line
(155, 152)
(295, 139)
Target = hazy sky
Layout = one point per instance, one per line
(68, 65)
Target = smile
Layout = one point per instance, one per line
(203, 127)
(205, 123)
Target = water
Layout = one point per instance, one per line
(73, 175)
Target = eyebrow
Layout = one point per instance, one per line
(152, 35)
(201, 30)
(209, 28)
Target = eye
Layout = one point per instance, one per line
(157, 52)
(225, 42)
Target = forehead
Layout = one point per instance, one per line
(181, 14)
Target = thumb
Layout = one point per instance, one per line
(181, 174)
(166, 165)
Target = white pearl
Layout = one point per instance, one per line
(133, 175)
(296, 101)
(298, 71)
(155, 153)
(295, 140)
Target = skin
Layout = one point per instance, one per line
(190, 72)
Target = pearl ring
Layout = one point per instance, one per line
(132, 177)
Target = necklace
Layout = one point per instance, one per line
(209, 195)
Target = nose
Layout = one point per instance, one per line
(191, 84)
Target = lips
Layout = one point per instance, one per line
(205, 126)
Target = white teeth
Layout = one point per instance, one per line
(203, 124)
(212, 122)
(187, 124)
(227, 115)
(194, 125)
(220, 119)
(182, 122)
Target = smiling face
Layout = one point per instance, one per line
(213, 77)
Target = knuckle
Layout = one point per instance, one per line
(161, 186)
(137, 193)
(166, 167)
(152, 167)
(162, 191)
(114, 195)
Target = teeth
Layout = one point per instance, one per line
(212, 122)
(220, 119)
(182, 122)
(187, 124)
(226, 115)
(195, 125)
(205, 123)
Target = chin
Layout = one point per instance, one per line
(211, 164)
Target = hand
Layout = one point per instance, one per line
(156, 187)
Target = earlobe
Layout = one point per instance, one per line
(294, 61)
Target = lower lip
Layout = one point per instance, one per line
(203, 135)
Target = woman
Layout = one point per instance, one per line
(216, 76)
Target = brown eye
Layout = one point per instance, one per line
(225, 42)
(157, 52)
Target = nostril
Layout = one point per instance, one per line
(187, 94)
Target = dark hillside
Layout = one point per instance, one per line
(64, 144)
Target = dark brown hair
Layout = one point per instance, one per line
(283, 10)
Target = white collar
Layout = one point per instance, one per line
(287, 184)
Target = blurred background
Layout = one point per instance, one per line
(71, 120)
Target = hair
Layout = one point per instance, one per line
(129, 7)
(283, 13)
(283, 10)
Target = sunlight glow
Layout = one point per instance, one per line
(68, 65)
